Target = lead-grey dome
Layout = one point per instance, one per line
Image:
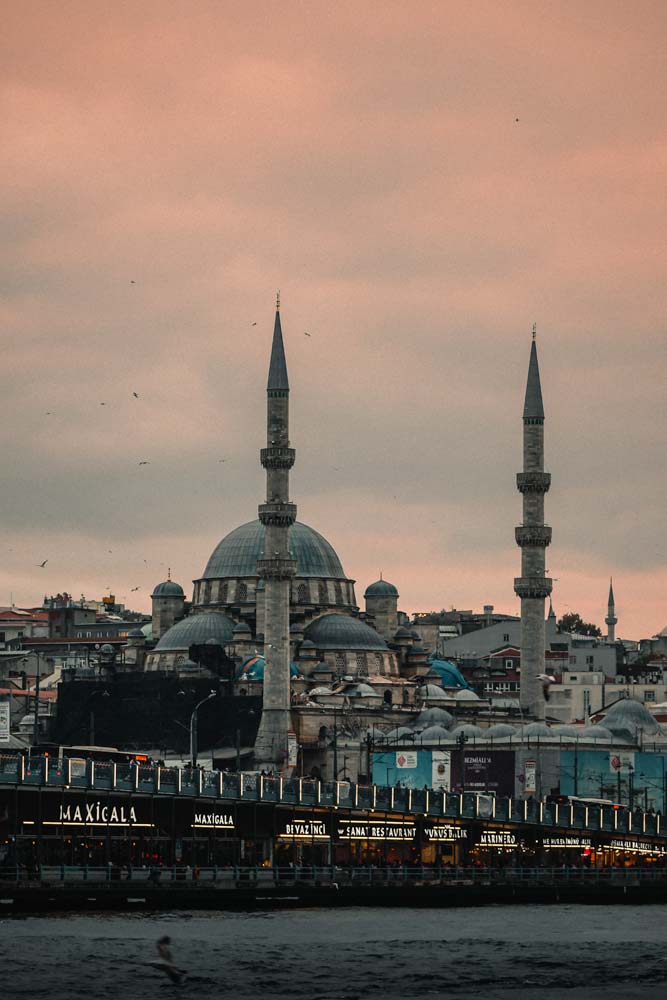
(168, 589)
(629, 716)
(335, 631)
(237, 554)
(381, 588)
(197, 629)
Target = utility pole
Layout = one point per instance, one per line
(238, 751)
(576, 771)
(335, 748)
(35, 728)
(193, 727)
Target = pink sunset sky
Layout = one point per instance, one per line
(423, 182)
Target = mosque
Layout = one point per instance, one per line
(337, 656)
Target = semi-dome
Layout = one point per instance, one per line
(168, 589)
(427, 691)
(361, 691)
(400, 733)
(467, 694)
(197, 629)
(237, 554)
(568, 730)
(629, 716)
(381, 588)
(336, 631)
(434, 717)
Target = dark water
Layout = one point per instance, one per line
(495, 952)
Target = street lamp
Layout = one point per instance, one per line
(193, 726)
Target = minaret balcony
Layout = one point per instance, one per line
(277, 514)
(533, 482)
(277, 457)
(538, 535)
(276, 568)
(532, 586)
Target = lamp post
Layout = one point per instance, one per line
(193, 726)
(35, 727)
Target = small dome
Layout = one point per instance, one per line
(136, 633)
(468, 729)
(537, 729)
(252, 669)
(466, 695)
(318, 691)
(168, 589)
(307, 644)
(402, 633)
(361, 691)
(501, 729)
(197, 629)
(188, 665)
(428, 691)
(434, 734)
(400, 733)
(629, 716)
(106, 648)
(434, 717)
(242, 629)
(595, 733)
(296, 628)
(381, 588)
(336, 631)
(568, 730)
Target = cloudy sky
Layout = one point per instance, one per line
(422, 181)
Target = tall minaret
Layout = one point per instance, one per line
(533, 536)
(276, 566)
(611, 619)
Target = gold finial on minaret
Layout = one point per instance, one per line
(534, 331)
(278, 301)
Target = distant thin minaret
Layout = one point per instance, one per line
(611, 618)
(533, 536)
(276, 565)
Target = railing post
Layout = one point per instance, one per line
(337, 793)
(427, 802)
(179, 781)
(92, 773)
(241, 785)
(200, 781)
(157, 778)
(280, 787)
(46, 769)
(392, 797)
(319, 791)
(22, 768)
(114, 773)
(375, 795)
(221, 783)
(261, 787)
(300, 789)
(68, 770)
(409, 800)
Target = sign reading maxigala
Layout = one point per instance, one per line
(213, 821)
(80, 811)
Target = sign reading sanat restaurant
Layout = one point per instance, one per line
(79, 810)
(352, 829)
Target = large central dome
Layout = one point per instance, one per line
(237, 554)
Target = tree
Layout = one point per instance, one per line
(573, 622)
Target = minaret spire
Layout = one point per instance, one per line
(611, 619)
(533, 536)
(276, 565)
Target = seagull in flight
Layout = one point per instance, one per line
(306, 334)
(253, 324)
(43, 564)
(135, 588)
(144, 463)
(136, 395)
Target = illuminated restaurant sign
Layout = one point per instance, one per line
(297, 828)
(560, 843)
(80, 811)
(641, 846)
(351, 829)
(213, 821)
(498, 838)
(447, 833)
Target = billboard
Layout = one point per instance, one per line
(484, 771)
(4, 722)
(413, 771)
(441, 769)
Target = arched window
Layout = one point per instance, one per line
(362, 666)
(223, 593)
(323, 593)
(340, 664)
(387, 698)
(339, 592)
(302, 594)
(243, 593)
(379, 663)
(206, 594)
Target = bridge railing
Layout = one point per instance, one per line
(233, 876)
(83, 773)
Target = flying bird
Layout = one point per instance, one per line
(516, 119)
(103, 404)
(306, 334)
(132, 282)
(42, 565)
(135, 588)
(221, 460)
(144, 463)
(136, 395)
(48, 413)
(253, 324)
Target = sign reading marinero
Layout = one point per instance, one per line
(94, 812)
(498, 838)
(213, 821)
